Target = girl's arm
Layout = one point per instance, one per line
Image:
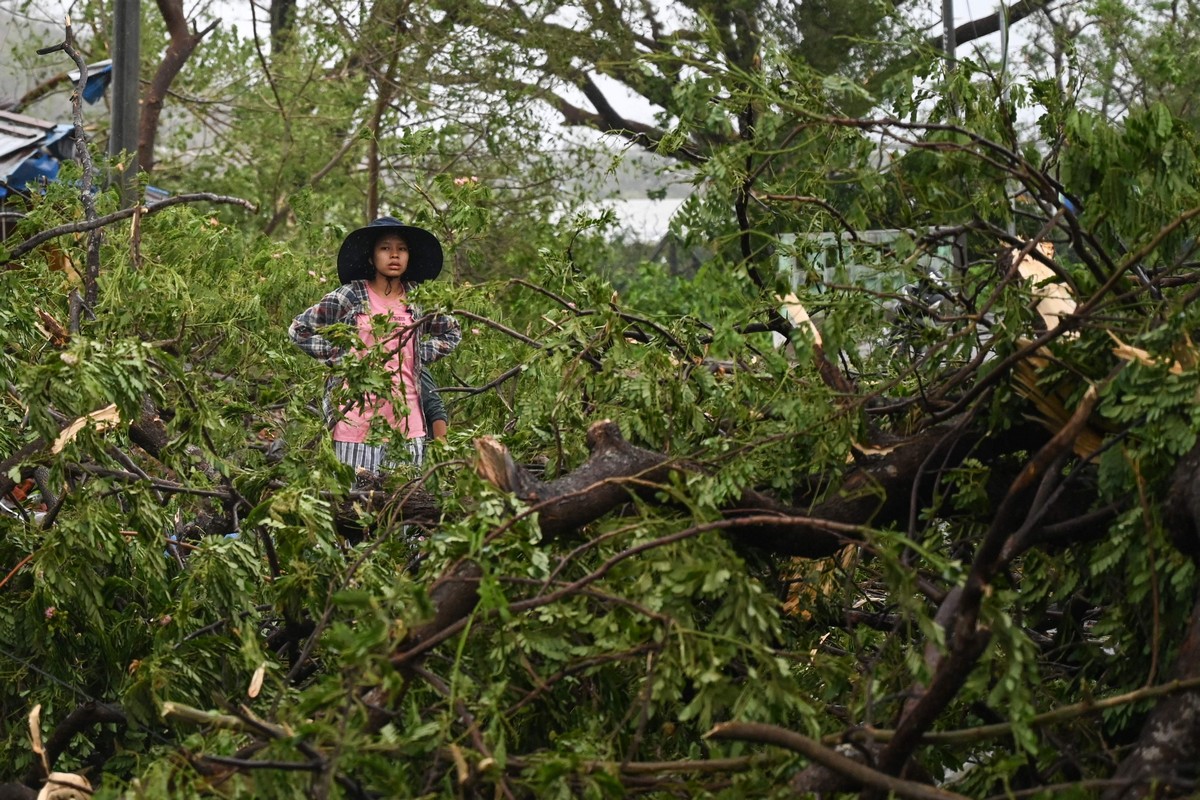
(334, 307)
(432, 406)
(442, 335)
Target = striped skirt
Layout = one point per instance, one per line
(375, 458)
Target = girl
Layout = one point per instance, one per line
(378, 266)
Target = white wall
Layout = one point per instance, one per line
(21, 68)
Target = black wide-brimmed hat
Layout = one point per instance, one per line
(424, 251)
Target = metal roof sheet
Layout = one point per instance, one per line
(19, 132)
(9, 162)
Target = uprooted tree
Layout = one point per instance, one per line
(915, 514)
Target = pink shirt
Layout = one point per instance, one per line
(401, 364)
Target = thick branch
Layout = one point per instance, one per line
(82, 717)
(878, 492)
(860, 773)
(959, 613)
(632, 131)
(1169, 746)
(180, 48)
(986, 26)
(454, 596)
(117, 216)
(1181, 512)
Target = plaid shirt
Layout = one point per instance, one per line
(438, 335)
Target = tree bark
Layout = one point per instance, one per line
(180, 48)
(283, 23)
(82, 717)
(617, 470)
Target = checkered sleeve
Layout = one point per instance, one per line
(442, 335)
(337, 306)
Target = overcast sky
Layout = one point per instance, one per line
(48, 15)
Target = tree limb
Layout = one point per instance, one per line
(180, 47)
(108, 219)
(809, 748)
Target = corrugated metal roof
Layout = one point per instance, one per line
(19, 132)
(10, 162)
(27, 151)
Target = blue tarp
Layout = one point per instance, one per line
(99, 75)
(32, 150)
(97, 82)
(39, 166)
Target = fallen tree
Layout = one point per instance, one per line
(945, 552)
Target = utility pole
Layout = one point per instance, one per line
(949, 44)
(126, 107)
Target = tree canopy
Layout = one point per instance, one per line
(888, 486)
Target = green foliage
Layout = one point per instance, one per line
(188, 572)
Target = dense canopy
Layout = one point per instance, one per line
(877, 475)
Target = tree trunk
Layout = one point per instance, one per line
(180, 48)
(283, 21)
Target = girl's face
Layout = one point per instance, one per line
(390, 256)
